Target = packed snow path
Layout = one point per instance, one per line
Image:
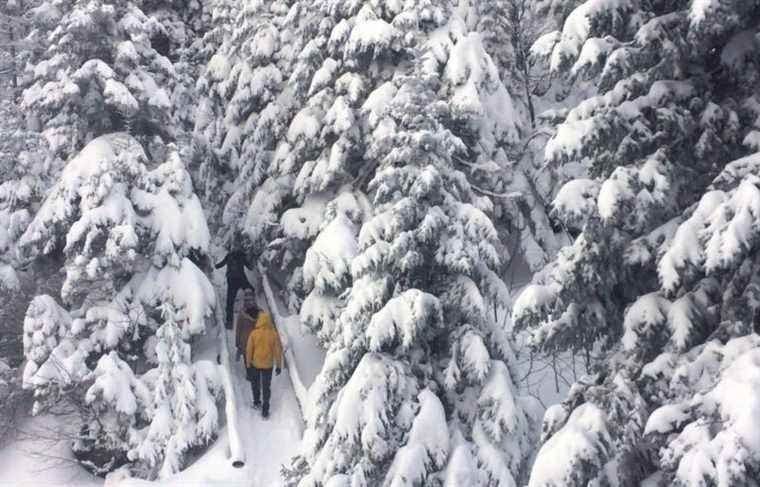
(272, 442)
(268, 443)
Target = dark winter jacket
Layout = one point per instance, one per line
(235, 262)
(243, 327)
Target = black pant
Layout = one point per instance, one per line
(232, 289)
(261, 385)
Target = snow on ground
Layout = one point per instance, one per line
(213, 469)
(269, 443)
(308, 354)
(40, 456)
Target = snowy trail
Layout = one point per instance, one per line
(269, 443)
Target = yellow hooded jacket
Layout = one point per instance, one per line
(264, 347)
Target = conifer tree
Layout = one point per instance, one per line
(22, 179)
(660, 270)
(15, 47)
(652, 148)
(184, 412)
(109, 66)
(99, 61)
(418, 311)
(243, 110)
(129, 236)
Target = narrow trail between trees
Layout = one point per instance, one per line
(272, 442)
(269, 444)
(265, 445)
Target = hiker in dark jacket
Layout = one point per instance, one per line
(236, 279)
(244, 324)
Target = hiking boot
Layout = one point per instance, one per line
(256, 405)
(265, 413)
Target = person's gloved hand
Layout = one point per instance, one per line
(277, 371)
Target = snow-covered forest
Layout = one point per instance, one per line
(497, 243)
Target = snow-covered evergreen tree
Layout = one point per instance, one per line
(660, 128)
(181, 24)
(660, 270)
(15, 46)
(109, 66)
(183, 412)
(129, 236)
(243, 111)
(98, 75)
(419, 310)
(22, 179)
(509, 29)
(666, 409)
(494, 124)
(219, 27)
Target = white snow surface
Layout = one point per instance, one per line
(576, 200)
(584, 434)
(577, 29)
(27, 461)
(374, 34)
(476, 89)
(186, 284)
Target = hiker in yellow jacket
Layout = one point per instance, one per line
(263, 351)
